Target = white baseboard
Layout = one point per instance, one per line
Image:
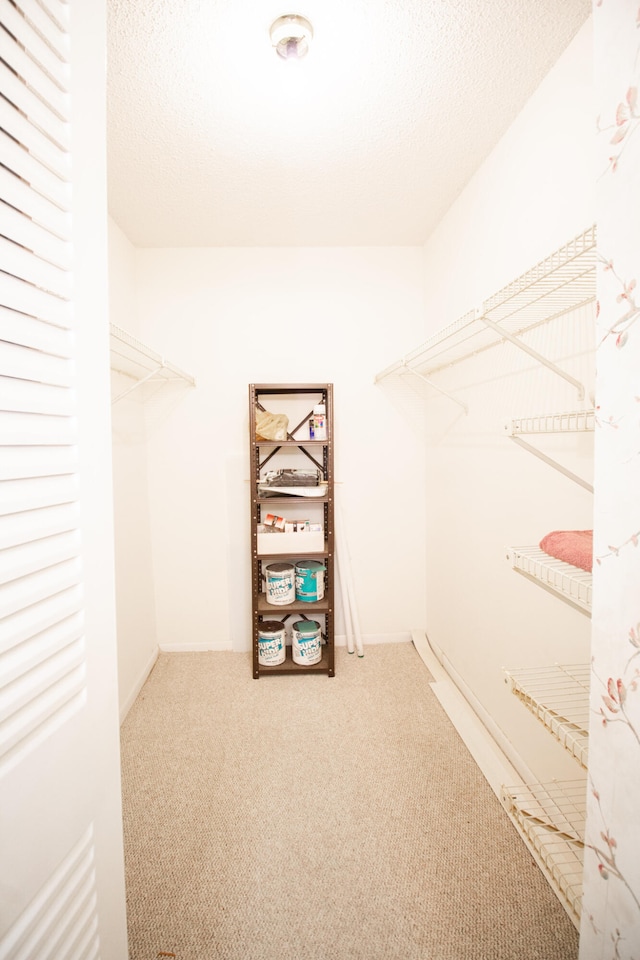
(219, 647)
(373, 638)
(487, 753)
(128, 703)
(340, 640)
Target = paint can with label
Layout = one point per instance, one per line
(306, 642)
(280, 583)
(272, 643)
(309, 580)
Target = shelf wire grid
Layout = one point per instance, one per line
(570, 583)
(551, 820)
(564, 279)
(575, 421)
(559, 284)
(133, 359)
(558, 695)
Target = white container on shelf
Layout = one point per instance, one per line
(318, 423)
(307, 542)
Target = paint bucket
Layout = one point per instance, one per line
(272, 647)
(280, 583)
(306, 637)
(310, 580)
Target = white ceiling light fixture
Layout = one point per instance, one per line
(291, 36)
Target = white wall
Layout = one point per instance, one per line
(533, 194)
(234, 316)
(135, 598)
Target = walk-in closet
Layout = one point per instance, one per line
(409, 232)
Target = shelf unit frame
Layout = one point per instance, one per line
(320, 453)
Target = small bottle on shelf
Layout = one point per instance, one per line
(318, 423)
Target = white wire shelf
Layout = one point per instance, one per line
(577, 421)
(564, 281)
(570, 583)
(558, 695)
(141, 365)
(551, 820)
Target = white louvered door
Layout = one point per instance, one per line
(58, 729)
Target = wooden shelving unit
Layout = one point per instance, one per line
(296, 401)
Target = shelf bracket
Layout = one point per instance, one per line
(426, 380)
(135, 360)
(553, 463)
(505, 335)
(138, 383)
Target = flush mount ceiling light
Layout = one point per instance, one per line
(291, 36)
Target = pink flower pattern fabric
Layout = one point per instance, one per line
(610, 927)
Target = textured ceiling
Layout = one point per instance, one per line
(215, 141)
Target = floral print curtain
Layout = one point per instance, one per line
(610, 926)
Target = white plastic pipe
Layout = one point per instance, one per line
(346, 564)
(342, 572)
(354, 614)
(344, 590)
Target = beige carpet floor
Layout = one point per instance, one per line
(307, 818)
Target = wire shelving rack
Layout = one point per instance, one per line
(140, 365)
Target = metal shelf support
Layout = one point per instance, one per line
(505, 335)
(553, 463)
(577, 421)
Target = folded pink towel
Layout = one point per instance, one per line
(572, 546)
